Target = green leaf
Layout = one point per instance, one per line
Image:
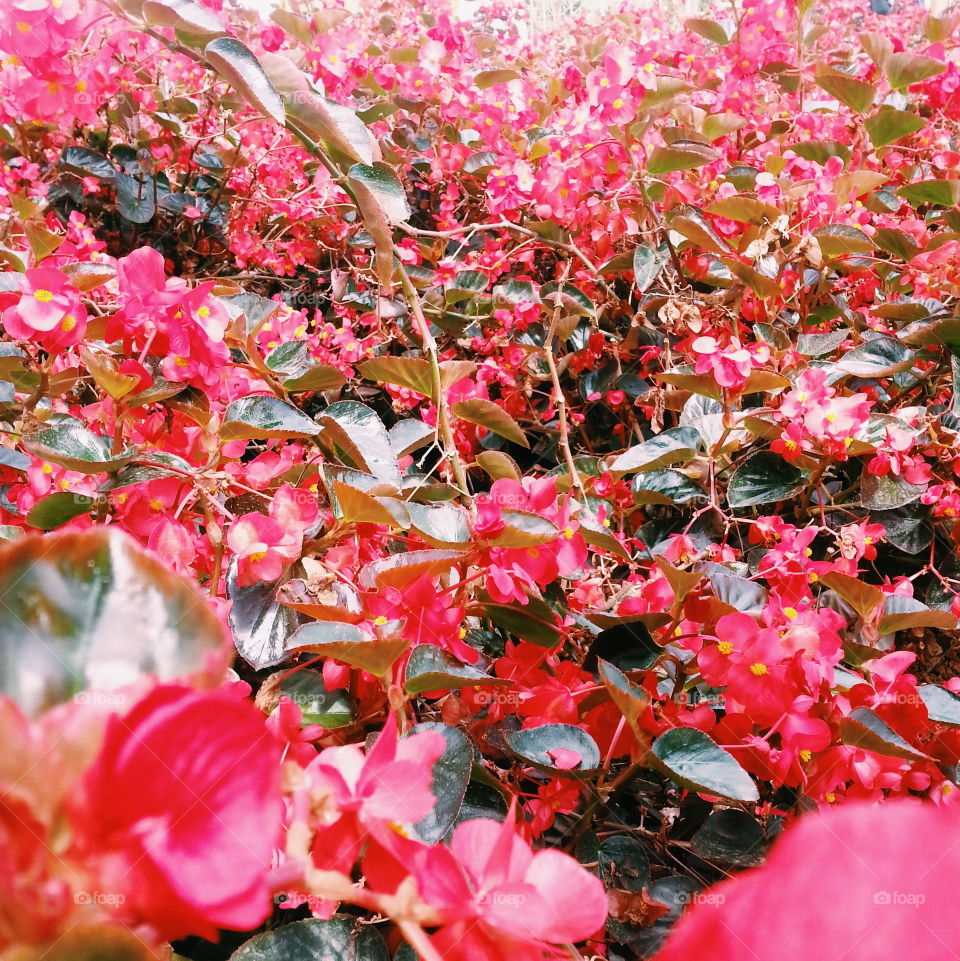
(486, 413)
(745, 210)
(262, 416)
(87, 163)
(94, 611)
(820, 151)
(430, 668)
(410, 435)
(879, 357)
(647, 264)
(239, 67)
(943, 706)
(904, 69)
(347, 643)
(384, 186)
(410, 372)
(682, 155)
(856, 94)
(448, 784)
(298, 27)
(672, 446)
(316, 377)
(763, 479)
(730, 837)
(135, 197)
(523, 529)
(357, 436)
(342, 938)
(903, 613)
(533, 622)
(864, 729)
(887, 493)
(942, 193)
(307, 689)
(888, 126)
(260, 624)
(630, 699)
(837, 240)
(670, 485)
(534, 744)
(694, 761)
(54, 510)
(343, 132)
(71, 445)
(819, 345)
(440, 525)
(719, 31)
(182, 15)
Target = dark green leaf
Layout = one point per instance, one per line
(672, 446)
(534, 744)
(342, 938)
(451, 775)
(430, 668)
(763, 479)
(260, 624)
(261, 416)
(239, 67)
(730, 837)
(329, 709)
(358, 437)
(862, 728)
(694, 761)
(71, 445)
(647, 264)
(347, 643)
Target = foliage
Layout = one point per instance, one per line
(557, 437)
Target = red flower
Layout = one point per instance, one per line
(180, 810)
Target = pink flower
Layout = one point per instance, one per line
(263, 548)
(179, 812)
(49, 310)
(501, 899)
(388, 785)
(858, 881)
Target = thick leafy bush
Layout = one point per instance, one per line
(465, 494)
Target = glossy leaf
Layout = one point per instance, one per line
(694, 761)
(64, 597)
(763, 479)
(534, 745)
(235, 62)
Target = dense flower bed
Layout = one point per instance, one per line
(465, 495)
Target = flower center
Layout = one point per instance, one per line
(759, 669)
(725, 647)
(44, 296)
